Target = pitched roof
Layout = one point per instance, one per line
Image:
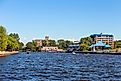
(100, 43)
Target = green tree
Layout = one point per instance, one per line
(21, 44)
(117, 44)
(3, 39)
(12, 44)
(68, 43)
(31, 46)
(48, 42)
(85, 43)
(15, 35)
(44, 43)
(51, 43)
(84, 47)
(62, 44)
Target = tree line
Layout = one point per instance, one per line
(9, 42)
(61, 44)
(84, 43)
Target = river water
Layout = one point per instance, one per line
(60, 67)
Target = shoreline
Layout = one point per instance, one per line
(6, 53)
(106, 53)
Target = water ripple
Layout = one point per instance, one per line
(60, 67)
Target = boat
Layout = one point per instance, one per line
(28, 52)
(73, 52)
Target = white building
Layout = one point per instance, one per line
(51, 49)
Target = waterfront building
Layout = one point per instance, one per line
(51, 49)
(38, 42)
(74, 47)
(106, 38)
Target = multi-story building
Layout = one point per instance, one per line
(38, 42)
(106, 38)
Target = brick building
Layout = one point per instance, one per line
(38, 42)
(106, 38)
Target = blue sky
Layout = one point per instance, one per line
(69, 19)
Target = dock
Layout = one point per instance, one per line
(90, 52)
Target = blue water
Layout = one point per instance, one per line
(60, 67)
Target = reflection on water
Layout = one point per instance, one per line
(60, 67)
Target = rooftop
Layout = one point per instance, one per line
(101, 35)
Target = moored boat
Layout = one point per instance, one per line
(73, 52)
(28, 52)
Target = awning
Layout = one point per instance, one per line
(107, 46)
(100, 43)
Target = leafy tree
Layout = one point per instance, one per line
(62, 44)
(31, 46)
(15, 35)
(21, 44)
(9, 42)
(12, 44)
(3, 39)
(44, 43)
(85, 43)
(52, 43)
(68, 43)
(117, 44)
(48, 42)
(84, 47)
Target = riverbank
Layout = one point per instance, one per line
(6, 53)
